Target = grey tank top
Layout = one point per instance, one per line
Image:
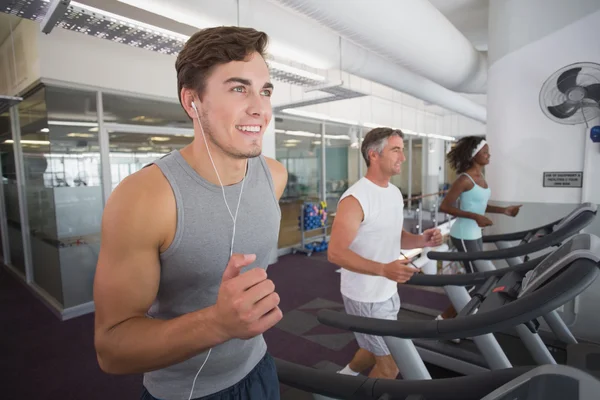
(193, 265)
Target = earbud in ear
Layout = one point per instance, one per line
(194, 106)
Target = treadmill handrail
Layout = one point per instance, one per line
(516, 235)
(521, 250)
(328, 383)
(470, 279)
(549, 297)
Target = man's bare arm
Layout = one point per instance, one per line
(349, 215)
(411, 241)
(279, 174)
(126, 283)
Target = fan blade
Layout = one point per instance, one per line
(564, 110)
(593, 92)
(567, 79)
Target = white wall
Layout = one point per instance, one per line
(21, 51)
(523, 141)
(458, 125)
(515, 23)
(87, 60)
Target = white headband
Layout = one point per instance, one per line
(478, 148)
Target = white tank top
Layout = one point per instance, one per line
(378, 239)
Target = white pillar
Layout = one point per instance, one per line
(524, 142)
(268, 145)
(433, 150)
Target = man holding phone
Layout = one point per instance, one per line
(366, 241)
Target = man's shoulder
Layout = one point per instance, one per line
(277, 169)
(147, 188)
(358, 185)
(279, 175)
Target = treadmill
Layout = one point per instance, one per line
(484, 354)
(508, 297)
(547, 382)
(503, 241)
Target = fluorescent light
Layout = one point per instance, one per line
(449, 138)
(160, 139)
(72, 123)
(82, 135)
(121, 154)
(29, 141)
(44, 130)
(310, 134)
(324, 117)
(295, 71)
(297, 133)
(133, 23)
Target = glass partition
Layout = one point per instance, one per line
(131, 150)
(63, 177)
(300, 154)
(121, 109)
(5, 152)
(417, 169)
(336, 166)
(64, 186)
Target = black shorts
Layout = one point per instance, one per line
(261, 383)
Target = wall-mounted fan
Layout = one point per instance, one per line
(572, 94)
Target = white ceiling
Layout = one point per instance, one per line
(468, 16)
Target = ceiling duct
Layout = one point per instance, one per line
(411, 33)
(322, 43)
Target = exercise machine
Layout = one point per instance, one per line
(508, 297)
(548, 382)
(503, 241)
(477, 355)
(514, 296)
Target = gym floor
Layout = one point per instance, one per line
(46, 359)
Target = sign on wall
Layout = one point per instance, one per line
(563, 179)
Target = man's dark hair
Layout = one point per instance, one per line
(376, 140)
(460, 157)
(210, 47)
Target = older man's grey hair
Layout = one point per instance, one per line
(376, 140)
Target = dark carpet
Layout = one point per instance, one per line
(43, 358)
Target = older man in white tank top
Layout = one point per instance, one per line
(366, 239)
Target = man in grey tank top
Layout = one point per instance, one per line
(181, 291)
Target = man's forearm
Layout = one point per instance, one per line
(348, 259)
(411, 241)
(143, 344)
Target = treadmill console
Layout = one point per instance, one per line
(579, 246)
(590, 207)
(549, 382)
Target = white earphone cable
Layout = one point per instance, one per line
(233, 218)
